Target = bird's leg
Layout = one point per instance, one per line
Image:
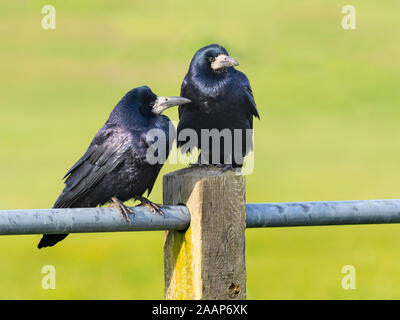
(198, 163)
(148, 204)
(123, 209)
(225, 167)
(201, 161)
(228, 167)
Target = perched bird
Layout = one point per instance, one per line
(222, 99)
(116, 166)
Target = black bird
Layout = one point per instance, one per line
(115, 167)
(221, 99)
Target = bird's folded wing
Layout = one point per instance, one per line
(183, 94)
(104, 154)
(249, 95)
(252, 103)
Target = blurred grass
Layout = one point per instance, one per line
(329, 105)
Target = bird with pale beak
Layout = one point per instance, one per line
(221, 101)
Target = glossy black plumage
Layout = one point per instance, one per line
(115, 163)
(221, 99)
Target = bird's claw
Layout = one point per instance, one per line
(226, 167)
(150, 205)
(153, 207)
(197, 164)
(123, 209)
(193, 164)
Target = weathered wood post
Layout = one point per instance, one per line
(208, 260)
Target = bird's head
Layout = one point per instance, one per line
(213, 59)
(150, 104)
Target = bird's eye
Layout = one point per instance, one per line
(152, 103)
(211, 59)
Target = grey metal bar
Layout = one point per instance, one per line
(291, 214)
(90, 220)
(258, 215)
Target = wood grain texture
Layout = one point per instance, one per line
(208, 260)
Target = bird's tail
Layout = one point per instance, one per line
(49, 240)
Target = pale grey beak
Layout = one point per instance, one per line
(163, 103)
(223, 61)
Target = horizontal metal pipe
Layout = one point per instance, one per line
(258, 215)
(291, 214)
(91, 220)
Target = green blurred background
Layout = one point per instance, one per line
(329, 130)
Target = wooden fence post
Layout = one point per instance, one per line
(208, 260)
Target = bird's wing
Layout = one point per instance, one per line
(104, 154)
(183, 87)
(249, 95)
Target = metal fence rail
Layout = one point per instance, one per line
(13, 222)
(258, 215)
(320, 213)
